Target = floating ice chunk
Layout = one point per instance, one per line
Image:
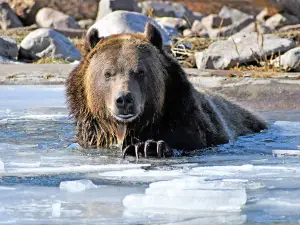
(77, 185)
(282, 153)
(142, 175)
(206, 200)
(56, 209)
(199, 183)
(74, 146)
(221, 170)
(70, 169)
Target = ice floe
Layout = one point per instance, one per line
(77, 185)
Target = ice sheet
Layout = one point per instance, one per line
(256, 176)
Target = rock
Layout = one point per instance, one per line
(85, 24)
(289, 60)
(239, 20)
(125, 22)
(234, 14)
(197, 26)
(215, 21)
(279, 20)
(47, 43)
(78, 9)
(169, 9)
(173, 26)
(4, 60)
(295, 27)
(241, 49)
(265, 14)
(189, 33)
(108, 6)
(290, 6)
(8, 47)
(51, 18)
(8, 19)
(232, 29)
(255, 27)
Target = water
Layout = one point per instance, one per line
(45, 178)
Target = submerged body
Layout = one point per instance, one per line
(129, 90)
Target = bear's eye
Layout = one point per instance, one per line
(140, 73)
(107, 75)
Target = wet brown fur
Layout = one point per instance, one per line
(187, 119)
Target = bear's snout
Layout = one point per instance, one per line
(125, 106)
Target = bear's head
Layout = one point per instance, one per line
(125, 76)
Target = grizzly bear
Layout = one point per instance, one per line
(129, 91)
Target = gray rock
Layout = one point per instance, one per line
(263, 15)
(86, 24)
(169, 9)
(197, 26)
(4, 60)
(8, 19)
(255, 27)
(215, 21)
(232, 29)
(108, 6)
(279, 20)
(234, 14)
(290, 6)
(172, 25)
(290, 28)
(51, 18)
(8, 47)
(241, 49)
(289, 60)
(47, 43)
(119, 22)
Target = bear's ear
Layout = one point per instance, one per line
(153, 35)
(92, 39)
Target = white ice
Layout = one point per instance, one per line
(77, 185)
(70, 169)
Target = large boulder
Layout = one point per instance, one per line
(8, 47)
(239, 20)
(290, 6)
(47, 43)
(51, 18)
(169, 9)
(8, 19)
(78, 9)
(174, 26)
(215, 21)
(289, 60)
(279, 20)
(234, 14)
(108, 6)
(119, 22)
(241, 49)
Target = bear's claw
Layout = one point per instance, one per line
(148, 148)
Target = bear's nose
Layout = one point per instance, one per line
(124, 100)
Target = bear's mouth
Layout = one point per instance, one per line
(126, 118)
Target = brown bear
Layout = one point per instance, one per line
(128, 90)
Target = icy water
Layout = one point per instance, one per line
(46, 179)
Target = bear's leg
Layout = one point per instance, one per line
(148, 148)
